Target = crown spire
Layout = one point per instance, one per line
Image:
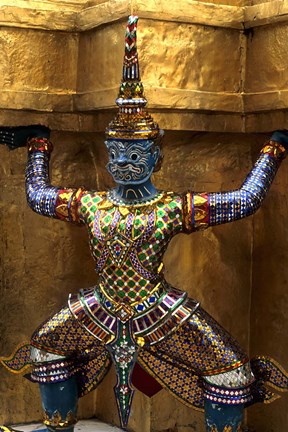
(131, 64)
(132, 120)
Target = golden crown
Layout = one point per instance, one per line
(132, 121)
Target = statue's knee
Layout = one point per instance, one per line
(231, 388)
(38, 355)
(49, 367)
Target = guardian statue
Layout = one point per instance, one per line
(133, 318)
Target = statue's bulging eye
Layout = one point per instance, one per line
(112, 155)
(134, 156)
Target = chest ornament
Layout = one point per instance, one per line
(120, 232)
(119, 247)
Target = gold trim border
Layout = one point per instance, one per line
(5, 359)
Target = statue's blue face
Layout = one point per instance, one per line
(131, 161)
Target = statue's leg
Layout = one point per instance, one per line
(203, 357)
(223, 418)
(225, 394)
(67, 362)
(58, 389)
(59, 403)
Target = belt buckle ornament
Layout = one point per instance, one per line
(124, 312)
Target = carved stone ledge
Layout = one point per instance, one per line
(165, 99)
(263, 119)
(188, 11)
(80, 15)
(267, 13)
(265, 101)
(46, 15)
(73, 16)
(160, 100)
(36, 101)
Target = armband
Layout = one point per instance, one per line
(67, 204)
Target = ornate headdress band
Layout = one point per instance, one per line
(132, 121)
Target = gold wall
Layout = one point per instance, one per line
(215, 77)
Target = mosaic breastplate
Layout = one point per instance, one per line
(128, 243)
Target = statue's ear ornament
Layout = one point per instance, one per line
(132, 121)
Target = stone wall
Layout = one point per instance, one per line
(218, 99)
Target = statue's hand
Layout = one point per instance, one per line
(15, 137)
(281, 136)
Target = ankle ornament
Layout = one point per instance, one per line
(56, 422)
(227, 428)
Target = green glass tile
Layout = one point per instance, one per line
(172, 204)
(160, 224)
(137, 232)
(107, 219)
(109, 271)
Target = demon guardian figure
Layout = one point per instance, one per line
(133, 317)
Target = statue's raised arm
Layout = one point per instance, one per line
(202, 210)
(44, 198)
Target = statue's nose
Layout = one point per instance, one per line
(122, 160)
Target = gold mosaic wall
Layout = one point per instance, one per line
(215, 77)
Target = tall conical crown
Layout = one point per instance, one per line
(132, 120)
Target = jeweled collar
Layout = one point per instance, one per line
(133, 203)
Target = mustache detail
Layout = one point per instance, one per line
(128, 167)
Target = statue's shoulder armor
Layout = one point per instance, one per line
(91, 201)
(171, 201)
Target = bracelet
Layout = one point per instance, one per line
(274, 149)
(39, 144)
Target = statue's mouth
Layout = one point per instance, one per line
(126, 168)
(128, 172)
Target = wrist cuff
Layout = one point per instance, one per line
(39, 144)
(274, 149)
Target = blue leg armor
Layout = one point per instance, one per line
(225, 395)
(223, 418)
(58, 387)
(59, 401)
